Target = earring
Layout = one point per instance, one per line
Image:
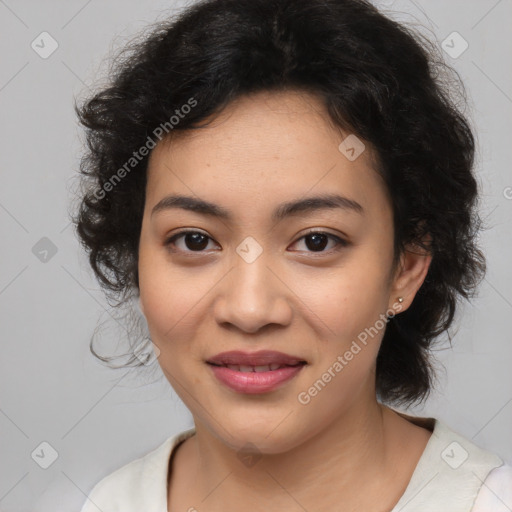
(400, 299)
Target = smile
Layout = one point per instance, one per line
(255, 379)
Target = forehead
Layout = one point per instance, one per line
(264, 147)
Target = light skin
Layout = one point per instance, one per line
(305, 296)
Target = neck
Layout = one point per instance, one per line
(359, 447)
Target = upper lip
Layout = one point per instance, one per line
(260, 358)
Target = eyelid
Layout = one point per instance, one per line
(171, 238)
(341, 242)
(321, 231)
(189, 230)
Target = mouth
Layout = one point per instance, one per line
(261, 361)
(257, 368)
(257, 372)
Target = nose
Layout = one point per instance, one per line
(251, 296)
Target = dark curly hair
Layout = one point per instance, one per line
(377, 78)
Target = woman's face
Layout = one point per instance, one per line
(256, 279)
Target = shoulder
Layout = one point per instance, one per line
(496, 492)
(138, 485)
(451, 473)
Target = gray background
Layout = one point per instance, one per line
(52, 389)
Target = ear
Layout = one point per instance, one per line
(410, 274)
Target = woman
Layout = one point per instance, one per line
(289, 192)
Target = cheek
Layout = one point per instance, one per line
(167, 308)
(164, 297)
(173, 299)
(349, 299)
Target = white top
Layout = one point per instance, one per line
(452, 474)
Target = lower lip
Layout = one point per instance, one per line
(255, 382)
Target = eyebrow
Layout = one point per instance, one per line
(308, 204)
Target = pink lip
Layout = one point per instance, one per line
(255, 382)
(260, 358)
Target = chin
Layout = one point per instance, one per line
(259, 436)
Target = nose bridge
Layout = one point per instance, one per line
(252, 296)
(252, 279)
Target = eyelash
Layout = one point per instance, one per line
(341, 243)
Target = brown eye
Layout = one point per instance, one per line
(194, 241)
(317, 241)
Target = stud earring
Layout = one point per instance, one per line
(400, 299)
